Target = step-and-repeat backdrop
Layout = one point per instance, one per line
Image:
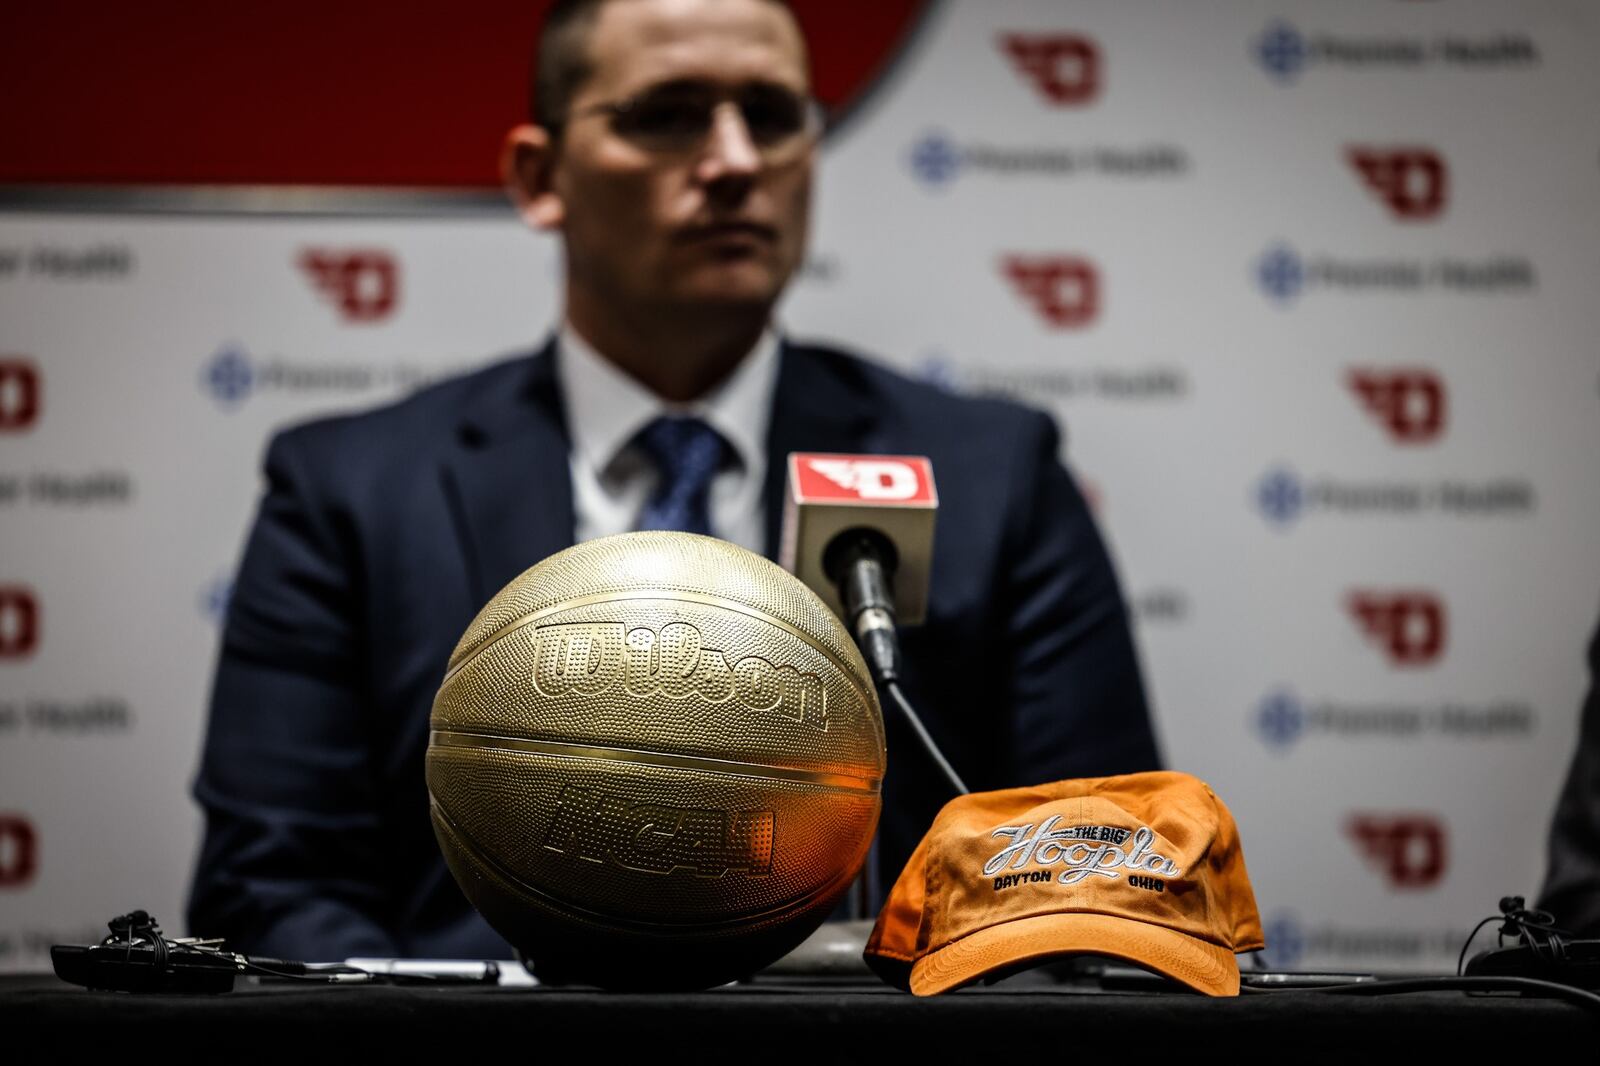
(1312, 289)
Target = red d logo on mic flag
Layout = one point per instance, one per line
(881, 479)
(890, 494)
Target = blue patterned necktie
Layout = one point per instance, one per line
(687, 453)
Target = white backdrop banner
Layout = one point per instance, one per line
(1310, 287)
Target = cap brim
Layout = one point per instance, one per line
(1203, 966)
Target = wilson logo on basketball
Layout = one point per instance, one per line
(19, 394)
(1412, 182)
(1409, 627)
(19, 849)
(1065, 68)
(653, 838)
(363, 284)
(591, 658)
(1410, 404)
(1410, 850)
(19, 622)
(1064, 290)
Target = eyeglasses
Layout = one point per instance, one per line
(676, 118)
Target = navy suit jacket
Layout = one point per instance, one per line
(380, 536)
(1572, 879)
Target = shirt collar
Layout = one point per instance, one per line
(606, 407)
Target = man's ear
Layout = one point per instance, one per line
(526, 163)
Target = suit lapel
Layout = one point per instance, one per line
(818, 406)
(508, 481)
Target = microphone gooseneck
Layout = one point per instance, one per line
(862, 563)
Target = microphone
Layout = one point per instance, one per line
(861, 564)
(858, 531)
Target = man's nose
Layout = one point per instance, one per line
(730, 150)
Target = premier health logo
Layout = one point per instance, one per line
(232, 375)
(1113, 384)
(940, 370)
(1286, 941)
(1292, 943)
(1284, 274)
(1284, 498)
(935, 160)
(1285, 52)
(1281, 274)
(228, 376)
(214, 598)
(1280, 497)
(1281, 51)
(1280, 720)
(1283, 720)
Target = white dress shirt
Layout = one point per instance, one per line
(612, 478)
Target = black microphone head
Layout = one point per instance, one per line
(855, 543)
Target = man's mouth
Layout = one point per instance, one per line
(732, 230)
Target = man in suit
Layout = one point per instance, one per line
(673, 153)
(1572, 877)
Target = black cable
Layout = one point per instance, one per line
(927, 741)
(1461, 960)
(320, 977)
(1576, 996)
(1535, 928)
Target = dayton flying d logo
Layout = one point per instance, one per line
(1409, 627)
(870, 479)
(363, 284)
(873, 480)
(19, 622)
(1410, 850)
(1413, 182)
(1064, 290)
(1065, 68)
(1410, 404)
(19, 847)
(19, 394)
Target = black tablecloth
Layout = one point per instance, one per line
(823, 1021)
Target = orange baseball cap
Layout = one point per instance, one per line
(1146, 868)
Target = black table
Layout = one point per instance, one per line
(819, 1020)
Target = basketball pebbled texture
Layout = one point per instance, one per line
(655, 761)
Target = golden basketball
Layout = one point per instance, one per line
(655, 761)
